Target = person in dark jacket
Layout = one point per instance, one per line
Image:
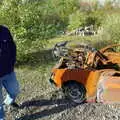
(7, 75)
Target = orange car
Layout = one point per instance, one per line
(91, 76)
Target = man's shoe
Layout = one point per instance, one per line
(15, 105)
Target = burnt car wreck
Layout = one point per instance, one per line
(86, 74)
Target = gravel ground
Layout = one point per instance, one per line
(55, 107)
(40, 101)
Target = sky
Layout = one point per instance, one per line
(101, 2)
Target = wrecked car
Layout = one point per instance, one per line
(86, 74)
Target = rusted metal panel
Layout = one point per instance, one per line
(108, 88)
(113, 57)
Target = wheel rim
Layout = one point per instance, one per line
(76, 93)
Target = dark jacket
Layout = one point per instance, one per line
(7, 51)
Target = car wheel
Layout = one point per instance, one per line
(74, 91)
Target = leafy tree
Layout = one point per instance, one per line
(76, 20)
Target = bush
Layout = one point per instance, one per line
(111, 28)
(30, 23)
(79, 19)
(76, 20)
(95, 18)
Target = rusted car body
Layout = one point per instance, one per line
(93, 78)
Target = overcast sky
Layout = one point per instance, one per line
(101, 1)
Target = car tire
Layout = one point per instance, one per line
(74, 91)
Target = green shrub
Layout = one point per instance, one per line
(76, 20)
(111, 28)
(95, 18)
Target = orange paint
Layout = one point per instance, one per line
(87, 77)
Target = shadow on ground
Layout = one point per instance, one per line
(36, 59)
(52, 107)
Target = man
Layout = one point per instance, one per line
(7, 75)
